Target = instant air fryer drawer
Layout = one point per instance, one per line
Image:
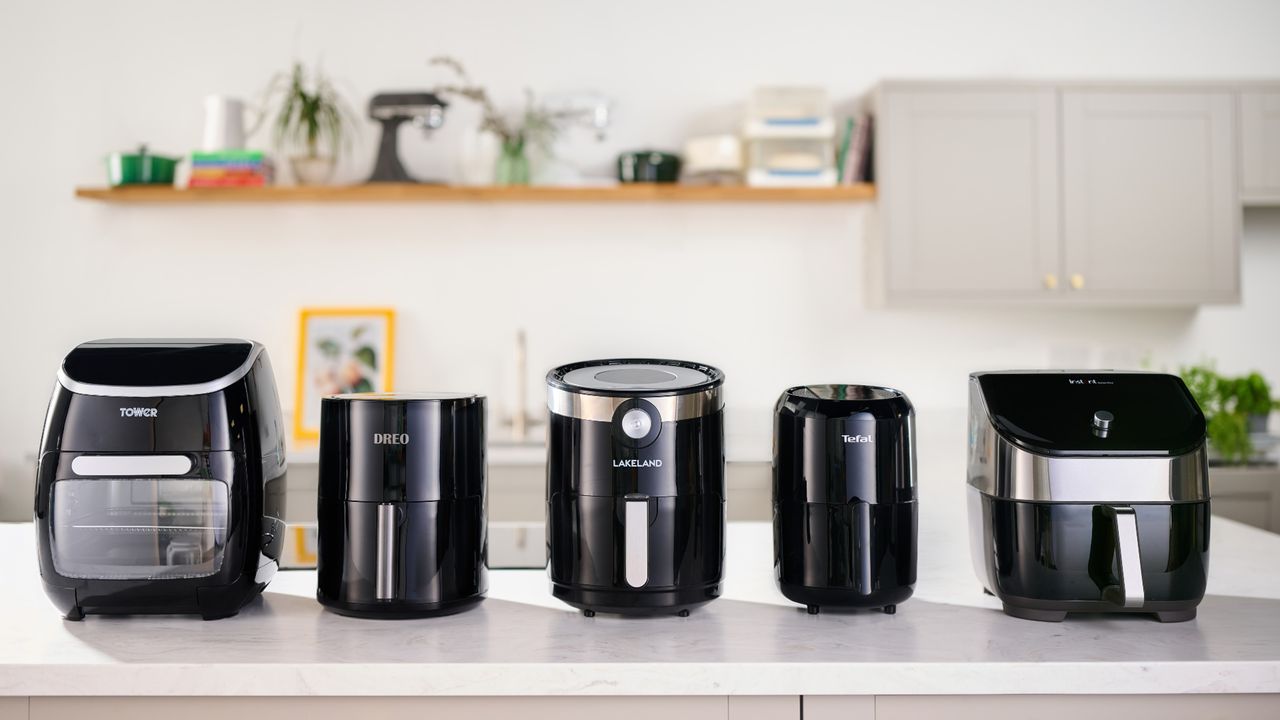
(138, 518)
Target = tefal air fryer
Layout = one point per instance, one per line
(402, 504)
(1088, 492)
(635, 485)
(161, 484)
(844, 496)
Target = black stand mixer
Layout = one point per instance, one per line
(423, 109)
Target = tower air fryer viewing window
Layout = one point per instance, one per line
(138, 529)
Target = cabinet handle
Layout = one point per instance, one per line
(1077, 281)
(1050, 281)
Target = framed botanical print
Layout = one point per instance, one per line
(340, 350)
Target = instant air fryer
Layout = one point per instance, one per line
(161, 484)
(844, 496)
(1088, 492)
(635, 485)
(401, 512)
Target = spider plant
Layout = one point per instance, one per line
(311, 115)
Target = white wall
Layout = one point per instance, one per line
(773, 294)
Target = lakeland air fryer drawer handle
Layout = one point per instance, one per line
(636, 541)
(1130, 557)
(385, 581)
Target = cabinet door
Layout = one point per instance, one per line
(1260, 146)
(1149, 203)
(969, 179)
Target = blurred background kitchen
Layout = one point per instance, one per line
(868, 192)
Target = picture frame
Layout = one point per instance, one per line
(340, 350)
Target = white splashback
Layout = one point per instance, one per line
(774, 294)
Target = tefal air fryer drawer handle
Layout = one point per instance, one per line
(1130, 557)
(636, 540)
(863, 584)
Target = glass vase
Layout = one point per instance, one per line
(513, 165)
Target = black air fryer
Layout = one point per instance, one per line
(161, 483)
(844, 496)
(402, 528)
(635, 485)
(1088, 492)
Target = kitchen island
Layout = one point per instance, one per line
(752, 654)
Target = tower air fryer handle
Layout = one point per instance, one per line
(636, 540)
(1115, 537)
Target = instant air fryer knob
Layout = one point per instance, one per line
(844, 496)
(402, 529)
(635, 485)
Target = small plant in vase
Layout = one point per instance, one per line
(313, 118)
(535, 126)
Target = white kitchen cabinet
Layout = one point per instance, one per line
(1057, 193)
(1150, 212)
(969, 187)
(1260, 146)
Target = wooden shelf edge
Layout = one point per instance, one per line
(408, 193)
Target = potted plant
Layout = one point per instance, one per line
(1234, 408)
(312, 121)
(1253, 400)
(535, 126)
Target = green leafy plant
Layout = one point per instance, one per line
(311, 112)
(1227, 403)
(536, 124)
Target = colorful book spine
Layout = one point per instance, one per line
(230, 168)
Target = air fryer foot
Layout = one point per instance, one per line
(813, 609)
(588, 613)
(890, 609)
(1176, 615)
(683, 613)
(1032, 614)
(75, 614)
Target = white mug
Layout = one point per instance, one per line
(223, 123)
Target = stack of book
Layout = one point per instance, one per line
(855, 160)
(230, 168)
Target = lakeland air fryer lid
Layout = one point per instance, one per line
(1068, 413)
(635, 377)
(596, 389)
(402, 447)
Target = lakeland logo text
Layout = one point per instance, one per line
(633, 463)
(138, 412)
(858, 438)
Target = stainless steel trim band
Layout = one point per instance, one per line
(1011, 473)
(599, 408)
(203, 388)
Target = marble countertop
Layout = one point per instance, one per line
(948, 639)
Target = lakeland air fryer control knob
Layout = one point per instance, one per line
(636, 423)
(1102, 420)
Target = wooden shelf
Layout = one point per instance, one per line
(410, 193)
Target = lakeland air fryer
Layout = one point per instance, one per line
(1088, 492)
(161, 483)
(635, 485)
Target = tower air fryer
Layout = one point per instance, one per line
(161, 483)
(844, 496)
(635, 485)
(1088, 492)
(401, 510)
